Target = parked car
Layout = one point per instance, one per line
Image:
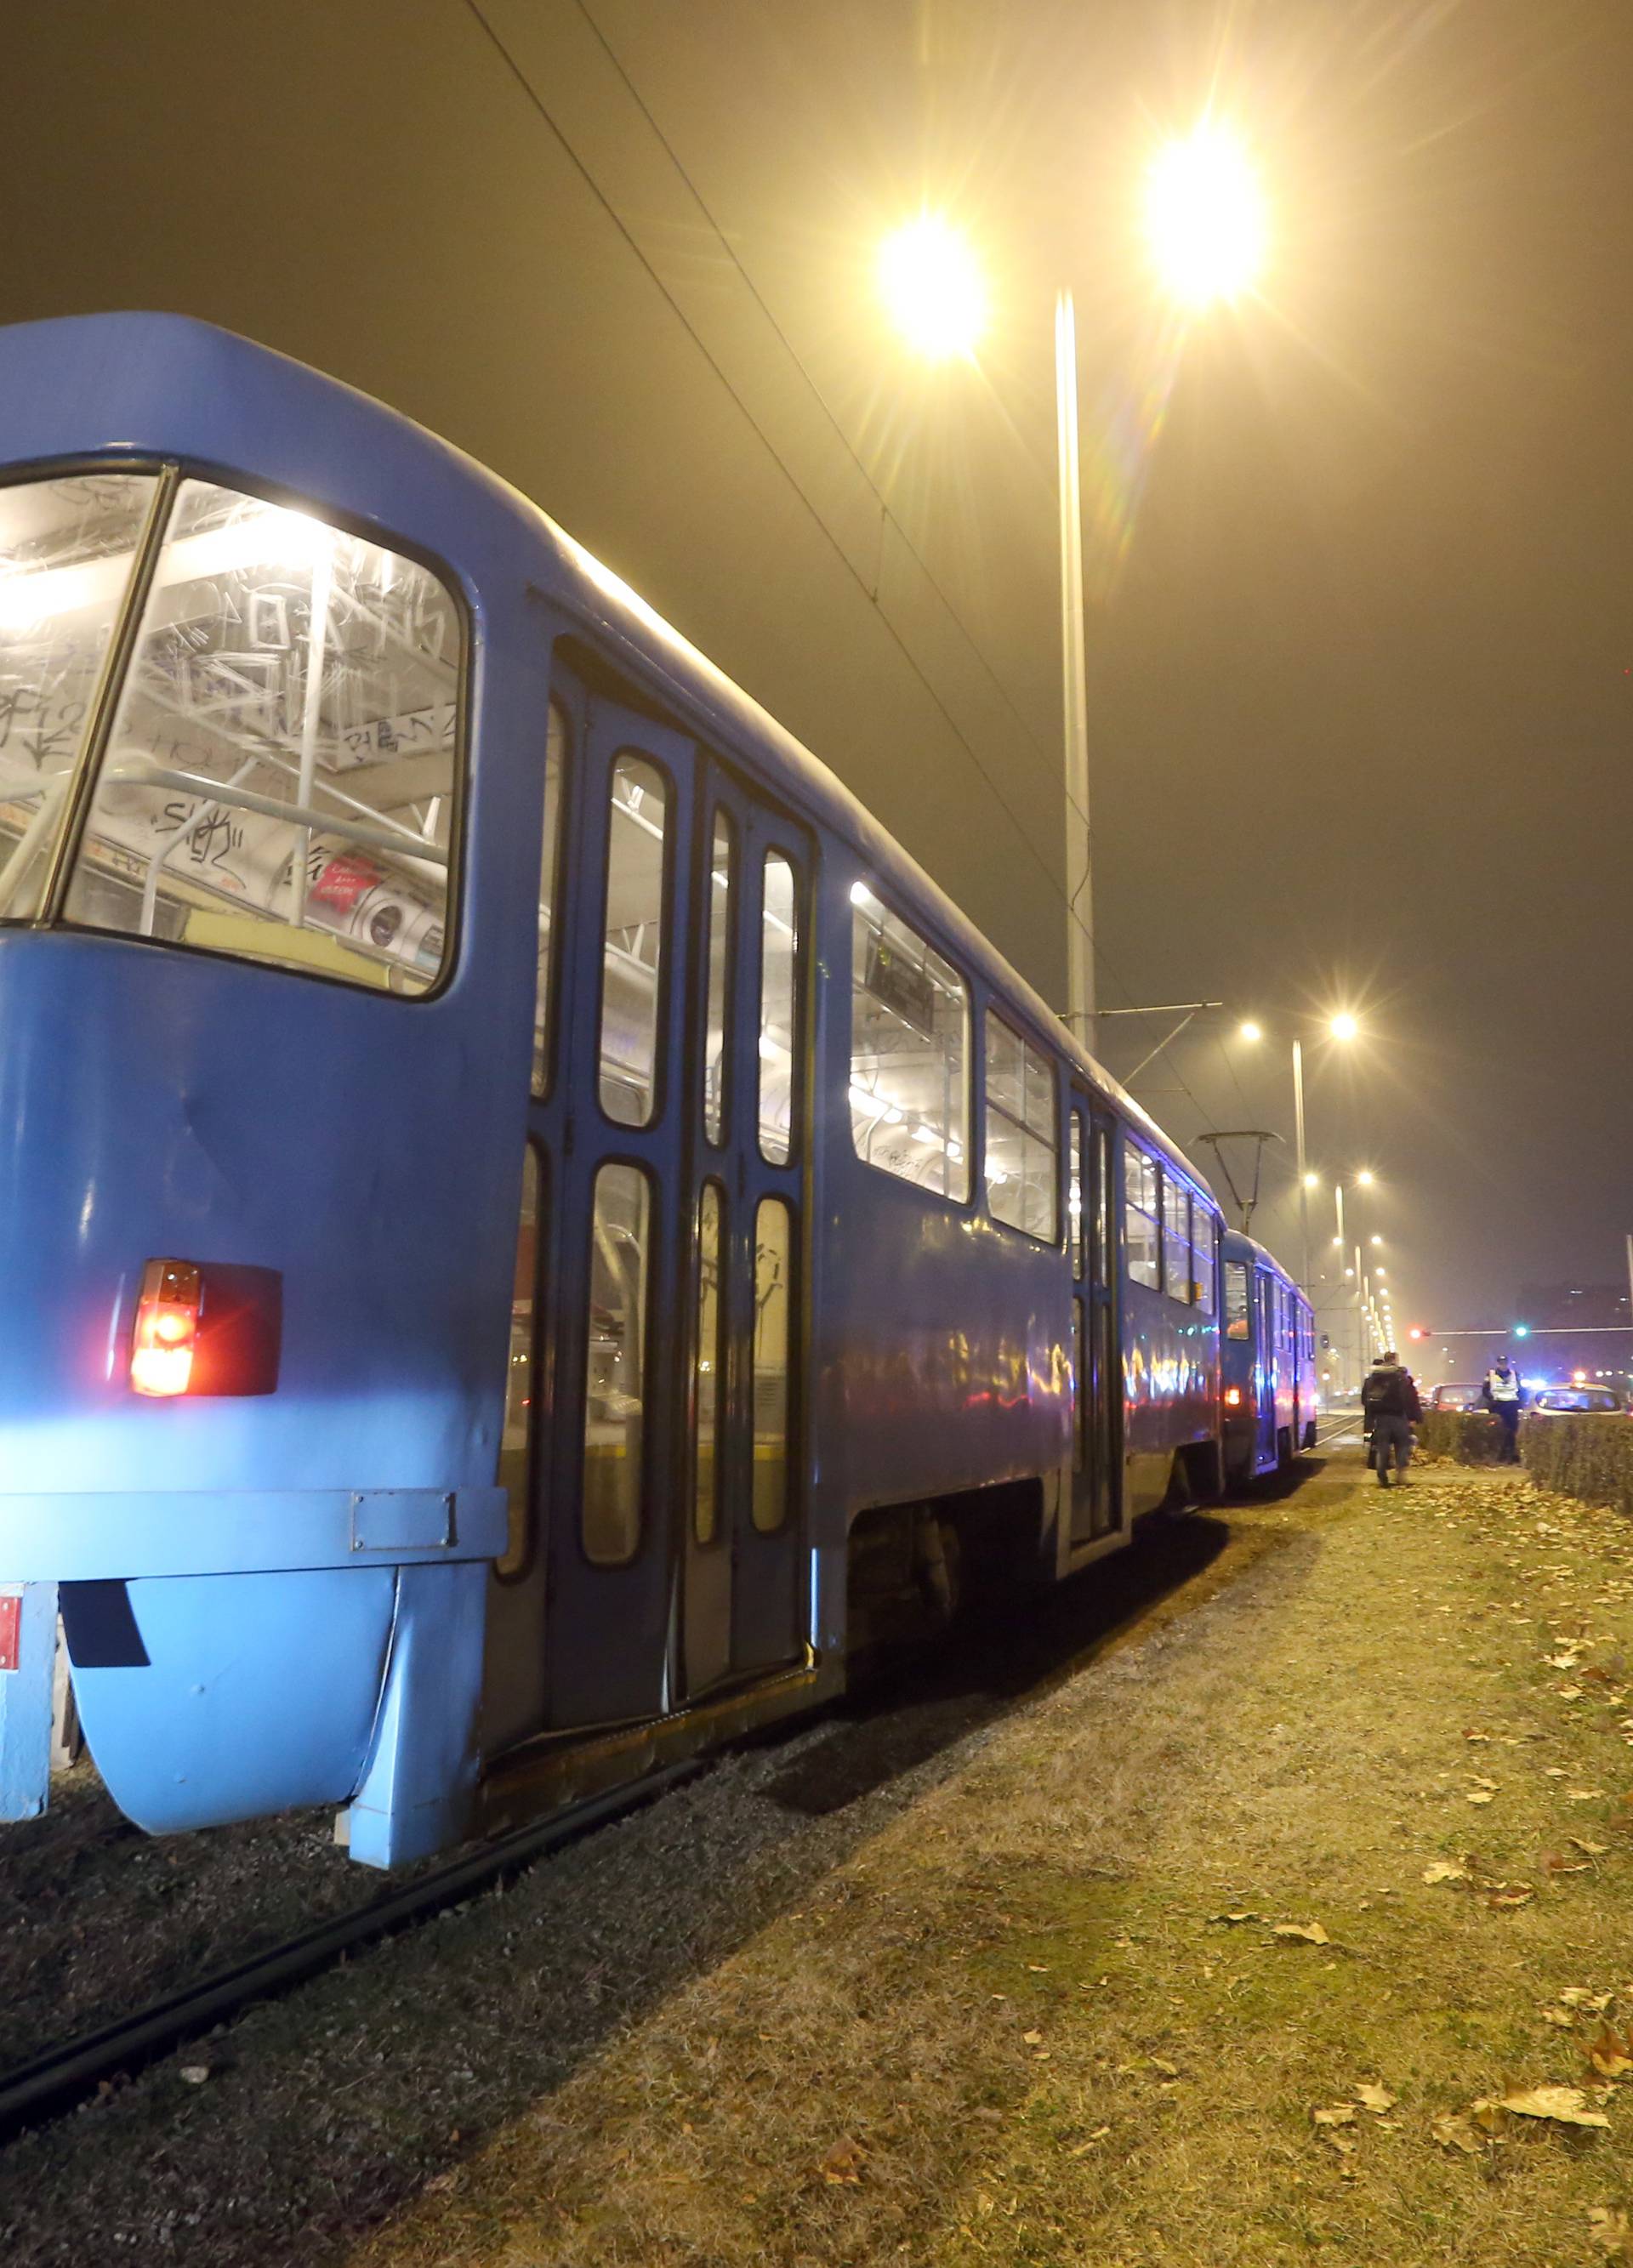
(1452, 1397)
(1576, 1400)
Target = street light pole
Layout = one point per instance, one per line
(1303, 1191)
(1073, 685)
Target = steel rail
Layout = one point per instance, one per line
(62, 2076)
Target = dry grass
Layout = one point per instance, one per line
(1015, 2026)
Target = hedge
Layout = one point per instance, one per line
(1472, 1436)
(1586, 1457)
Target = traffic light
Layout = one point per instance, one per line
(1419, 1331)
(1522, 1330)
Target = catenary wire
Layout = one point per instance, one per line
(538, 104)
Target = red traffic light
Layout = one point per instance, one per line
(1419, 1331)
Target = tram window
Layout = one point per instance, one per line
(1236, 1299)
(910, 1044)
(280, 777)
(615, 1396)
(516, 1458)
(1076, 1216)
(1140, 1215)
(1202, 1249)
(632, 950)
(774, 1325)
(779, 950)
(555, 761)
(723, 894)
(67, 549)
(1175, 1239)
(1023, 1142)
(709, 1359)
(1101, 1205)
(1080, 1388)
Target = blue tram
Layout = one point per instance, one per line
(541, 1226)
(1269, 1363)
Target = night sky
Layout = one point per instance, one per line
(1361, 659)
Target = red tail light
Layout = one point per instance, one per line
(1233, 1397)
(166, 1337)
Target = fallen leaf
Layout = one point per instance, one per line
(1446, 1870)
(1335, 2114)
(1032, 2039)
(1480, 1795)
(1593, 1850)
(1456, 2134)
(1037, 1968)
(1583, 1794)
(1609, 2053)
(1236, 1917)
(1505, 1894)
(1569, 1692)
(1609, 2230)
(1375, 2099)
(1168, 2069)
(1566, 2105)
(844, 2162)
(1310, 1932)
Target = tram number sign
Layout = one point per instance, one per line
(10, 1628)
(908, 991)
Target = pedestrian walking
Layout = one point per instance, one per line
(1389, 1410)
(1505, 1397)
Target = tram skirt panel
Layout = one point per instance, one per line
(209, 1699)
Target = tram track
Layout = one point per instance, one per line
(836, 1754)
(62, 2076)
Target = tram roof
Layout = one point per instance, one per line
(144, 385)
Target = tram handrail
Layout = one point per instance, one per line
(143, 771)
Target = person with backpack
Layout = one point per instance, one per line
(1389, 1410)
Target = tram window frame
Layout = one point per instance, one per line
(869, 912)
(719, 1531)
(1145, 1167)
(1204, 1226)
(1031, 1058)
(174, 472)
(516, 1562)
(654, 1197)
(667, 944)
(547, 963)
(1177, 1279)
(722, 824)
(775, 853)
(1237, 1313)
(1077, 1201)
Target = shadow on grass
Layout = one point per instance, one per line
(917, 1705)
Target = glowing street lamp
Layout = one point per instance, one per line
(1205, 230)
(1204, 217)
(932, 285)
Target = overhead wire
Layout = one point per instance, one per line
(537, 103)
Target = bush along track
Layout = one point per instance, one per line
(1582, 1456)
(1302, 1930)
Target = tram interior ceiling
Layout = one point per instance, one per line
(278, 779)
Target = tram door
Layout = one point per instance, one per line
(1268, 1321)
(670, 1139)
(1096, 1436)
(612, 1133)
(743, 1552)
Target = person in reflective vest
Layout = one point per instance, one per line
(1390, 1409)
(1505, 1397)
